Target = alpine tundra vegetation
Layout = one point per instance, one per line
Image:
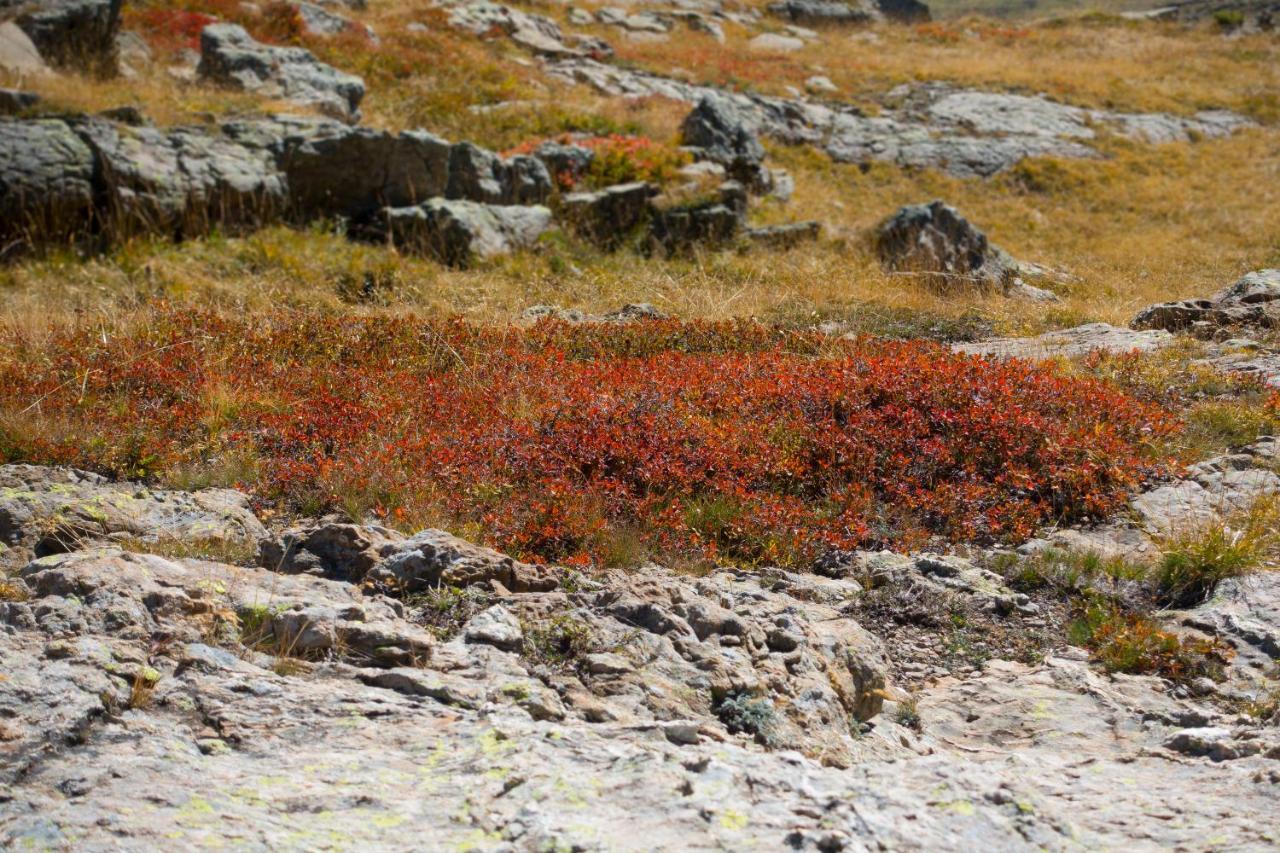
(680, 424)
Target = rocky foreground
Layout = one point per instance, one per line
(360, 687)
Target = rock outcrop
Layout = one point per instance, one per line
(720, 134)
(457, 232)
(89, 176)
(53, 510)
(166, 700)
(229, 56)
(1251, 301)
(966, 133)
(947, 252)
(74, 34)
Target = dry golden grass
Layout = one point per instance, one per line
(1107, 63)
(1143, 224)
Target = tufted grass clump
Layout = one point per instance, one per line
(1196, 560)
(1128, 642)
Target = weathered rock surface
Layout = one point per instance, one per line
(229, 56)
(51, 510)
(108, 179)
(1070, 343)
(785, 236)
(76, 34)
(711, 223)
(164, 701)
(947, 252)
(963, 132)
(537, 33)
(822, 12)
(457, 232)
(18, 55)
(1251, 301)
(722, 135)
(1212, 493)
(46, 179)
(606, 217)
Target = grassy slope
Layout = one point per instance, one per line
(1140, 225)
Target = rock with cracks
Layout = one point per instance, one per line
(229, 56)
(459, 232)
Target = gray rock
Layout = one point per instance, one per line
(566, 163)
(723, 136)
(678, 231)
(775, 43)
(51, 510)
(963, 132)
(46, 180)
(537, 33)
(336, 170)
(457, 232)
(1250, 301)
(319, 21)
(1070, 343)
(179, 182)
(938, 245)
(495, 627)
(78, 34)
(363, 552)
(821, 12)
(229, 56)
(481, 176)
(381, 732)
(904, 11)
(784, 236)
(608, 216)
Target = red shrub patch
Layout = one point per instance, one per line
(619, 159)
(700, 441)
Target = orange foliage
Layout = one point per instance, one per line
(731, 441)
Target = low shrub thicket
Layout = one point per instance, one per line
(700, 441)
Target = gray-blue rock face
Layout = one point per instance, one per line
(459, 232)
(229, 56)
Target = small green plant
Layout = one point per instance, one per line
(741, 712)
(907, 714)
(1127, 642)
(1228, 19)
(558, 642)
(142, 690)
(1196, 561)
(443, 611)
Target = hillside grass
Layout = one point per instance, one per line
(1142, 224)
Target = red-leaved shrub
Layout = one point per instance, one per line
(698, 441)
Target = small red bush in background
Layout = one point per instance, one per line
(619, 159)
(699, 441)
(171, 30)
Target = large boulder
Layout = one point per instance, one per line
(1252, 300)
(821, 12)
(934, 242)
(476, 174)
(77, 34)
(607, 216)
(46, 180)
(229, 56)
(18, 55)
(904, 11)
(456, 232)
(336, 170)
(724, 135)
(52, 510)
(179, 182)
